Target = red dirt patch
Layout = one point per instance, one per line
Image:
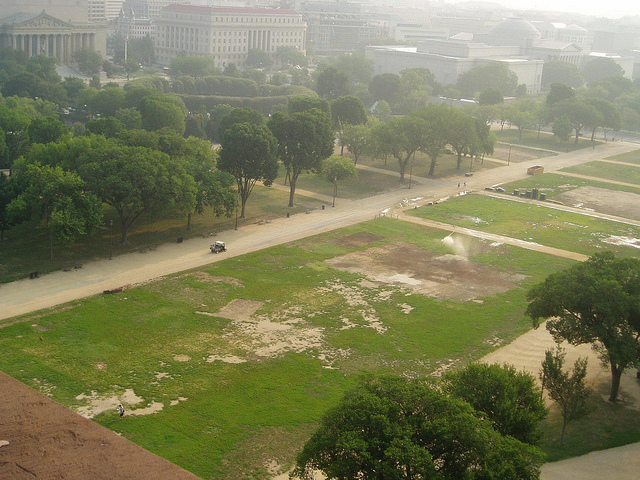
(49, 441)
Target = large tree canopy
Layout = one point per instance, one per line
(494, 74)
(392, 428)
(595, 302)
(249, 153)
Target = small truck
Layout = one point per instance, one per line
(218, 247)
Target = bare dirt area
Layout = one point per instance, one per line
(501, 152)
(41, 439)
(449, 276)
(602, 200)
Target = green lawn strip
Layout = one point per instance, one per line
(628, 157)
(26, 247)
(546, 140)
(111, 343)
(608, 425)
(365, 184)
(544, 225)
(607, 171)
(446, 165)
(555, 184)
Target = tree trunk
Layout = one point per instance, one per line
(459, 160)
(432, 167)
(564, 426)
(50, 246)
(403, 167)
(292, 190)
(577, 135)
(616, 373)
(189, 221)
(123, 239)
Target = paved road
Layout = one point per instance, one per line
(59, 287)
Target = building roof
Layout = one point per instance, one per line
(18, 18)
(516, 28)
(230, 10)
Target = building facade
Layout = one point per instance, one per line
(44, 34)
(225, 34)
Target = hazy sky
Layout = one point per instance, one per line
(601, 8)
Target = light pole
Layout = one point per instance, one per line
(509, 158)
(411, 169)
(110, 239)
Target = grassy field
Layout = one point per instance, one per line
(445, 165)
(607, 171)
(525, 221)
(555, 184)
(629, 157)
(225, 420)
(545, 141)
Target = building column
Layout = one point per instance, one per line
(92, 41)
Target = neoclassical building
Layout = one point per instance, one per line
(225, 34)
(56, 28)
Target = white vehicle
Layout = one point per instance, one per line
(218, 247)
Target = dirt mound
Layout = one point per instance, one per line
(40, 438)
(450, 277)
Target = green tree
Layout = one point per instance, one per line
(332, 83)
(278, 79)
(347, 110)
(192, 66)
(609, 116)
(392, 428)
(108, 126)
(337, 168)
(562, 128)
(491, 75)
(15, 124)
(601, 67)
(249, 153)
(579, 113)
(89, 61)
(510, 399)
(160, 112)
(8, 192)
(382, 110)
(216, 115)
(356, 66)
(44, 67)
(214, 187)
(559, 92)
(257, 58)
(357, 139)
(130, 118)
(567, 390)
(56, 198)
(521, 114)
(304, 140)
(595, 302)
(291, 56)
(302, 103)
(136, 181)
(107, 101)
(240, 115)
(438, 121)
(401, 137)
(385, 86)
(73, 85)
(461, 134)
(490, 96)
(46, 130)
(558, 71)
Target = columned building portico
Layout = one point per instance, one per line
(42, 34)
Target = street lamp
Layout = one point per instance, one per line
(509, 158)
(110, 239)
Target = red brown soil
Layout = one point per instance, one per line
(49, 441)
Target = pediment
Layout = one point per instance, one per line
(42, 20)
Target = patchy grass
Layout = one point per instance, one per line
(446, 165)
(544, 225)
(609, 425)
(231, 420)
(555, 184)
(546, 141)
(628, 157)
(607, 171)
(26, 247)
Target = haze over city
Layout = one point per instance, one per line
(596, 8)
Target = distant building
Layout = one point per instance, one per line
(131, 26)
(226, 33)
(104, 10)
(56, 28)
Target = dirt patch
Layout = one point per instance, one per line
(602, 200)
(449, 276)
(501, 152)
(358, 239)
(97, 404)
(181, 358)
(239, 309)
